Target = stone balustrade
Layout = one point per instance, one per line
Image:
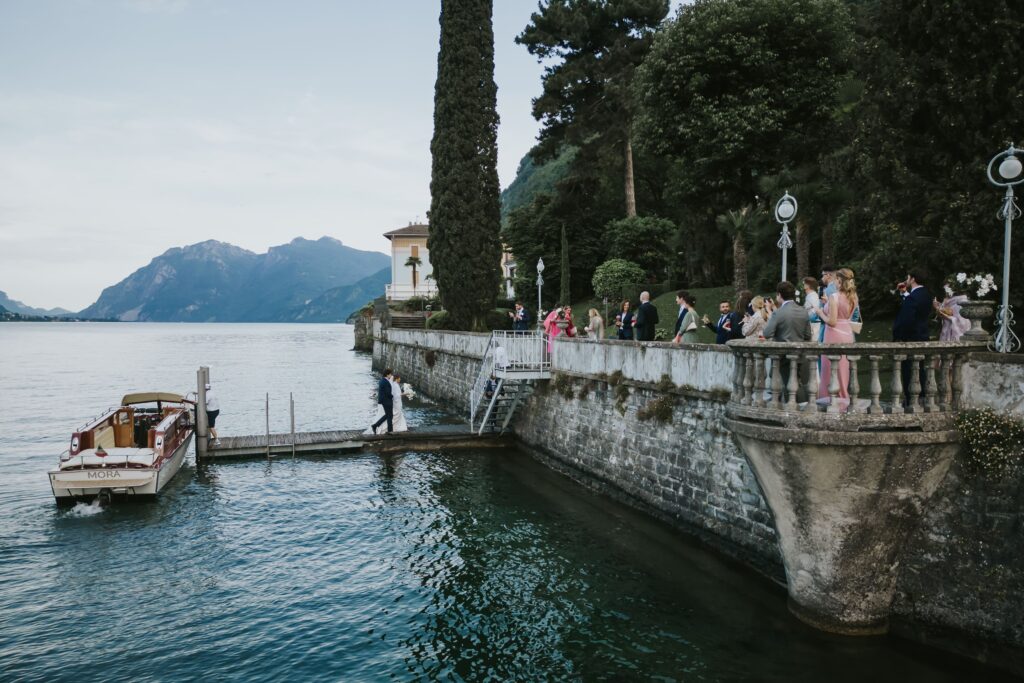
(847, 483)
(779, 383)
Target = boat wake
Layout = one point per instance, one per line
(86, 509)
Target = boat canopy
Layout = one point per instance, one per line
(151, 397)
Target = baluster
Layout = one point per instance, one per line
(930, 389)
(945, 383)
(876, 387)
(914, 390)
(812, 383)
(897, 383)
(738, 372)
(854, 387)
(748, 379)
(792, 385)
(833, 385)
(958, 380)
(777, 382)
(760, 377)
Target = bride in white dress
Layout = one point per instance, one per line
(398, 420)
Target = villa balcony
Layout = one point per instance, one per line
(426, 290)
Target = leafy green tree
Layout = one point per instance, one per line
(736, 89)
(644, 241)
(943, 92)
(464, 243)
(591, 49)
(613, 276)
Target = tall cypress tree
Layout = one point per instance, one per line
(464, 244)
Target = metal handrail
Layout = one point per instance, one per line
(477, 392)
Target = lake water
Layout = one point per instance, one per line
(456, 565)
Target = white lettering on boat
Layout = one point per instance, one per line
(104, 474)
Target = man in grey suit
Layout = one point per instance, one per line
(790, 323)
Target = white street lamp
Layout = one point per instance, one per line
(1007, 175)
(785, 211)
(540, 284)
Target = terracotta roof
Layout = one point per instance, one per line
(418, 230)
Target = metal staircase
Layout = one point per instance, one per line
(515, 361)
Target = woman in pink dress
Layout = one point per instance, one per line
(835, 315)
(551, 327)
(953, 324)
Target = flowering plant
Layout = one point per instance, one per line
(974, 286)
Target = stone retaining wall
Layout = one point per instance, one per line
(961, 582)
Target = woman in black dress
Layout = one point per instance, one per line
(624, 322)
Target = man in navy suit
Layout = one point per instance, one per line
(911, 324)
(727, 326)
(386, 400)
(520, 318)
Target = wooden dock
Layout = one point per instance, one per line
(338, 442)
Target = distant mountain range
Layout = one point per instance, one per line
(302, 281)
(9, 304)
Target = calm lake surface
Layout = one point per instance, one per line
(456, 565)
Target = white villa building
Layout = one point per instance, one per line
(408, 282)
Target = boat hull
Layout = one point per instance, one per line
(72, 486)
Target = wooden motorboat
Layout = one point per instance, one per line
(133, 450)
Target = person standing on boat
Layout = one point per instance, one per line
(212, 411)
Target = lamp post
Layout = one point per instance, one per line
(540, 284)
(1007, 174)
(785, 211)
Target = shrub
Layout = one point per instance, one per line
(440, 321)
(642, 240)
(429, 357)
(563, 385)
(612, 276)
(414, 304)
(621, 396)
(992, 442)
(498, 319)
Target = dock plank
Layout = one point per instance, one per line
(341, 441)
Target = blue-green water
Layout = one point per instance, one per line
(462, 565)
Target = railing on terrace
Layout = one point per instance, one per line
(518, 353)
(403, 292)
(767, 384)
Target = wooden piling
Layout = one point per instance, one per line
(268, 424)
(291, 404)
(202, 424)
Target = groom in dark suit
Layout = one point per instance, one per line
(646, 318)
(911, 325)
(386, 400)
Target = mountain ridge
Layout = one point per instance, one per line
(213, 281)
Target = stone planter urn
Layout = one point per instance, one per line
(563, 325)
(977, 312)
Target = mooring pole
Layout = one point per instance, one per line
(268, 424)
(291, 403)
(202, 426)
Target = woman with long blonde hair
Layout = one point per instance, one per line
(753, 325)
(835, 315)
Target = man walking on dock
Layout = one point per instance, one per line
(386, 401)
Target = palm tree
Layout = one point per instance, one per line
(737, 224)
(414, 262)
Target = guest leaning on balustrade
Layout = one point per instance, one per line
(755, 322)
(790, 324)
(835, 315)
(595, 330)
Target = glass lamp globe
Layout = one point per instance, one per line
(540, 265)
(786, 210)
(1010, 168)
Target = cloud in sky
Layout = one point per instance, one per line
(134, 127)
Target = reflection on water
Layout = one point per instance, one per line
(454, 565)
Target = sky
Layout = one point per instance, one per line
(128, 127)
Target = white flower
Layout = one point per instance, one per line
(961, 277)
(949, 290)
(977, 278)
